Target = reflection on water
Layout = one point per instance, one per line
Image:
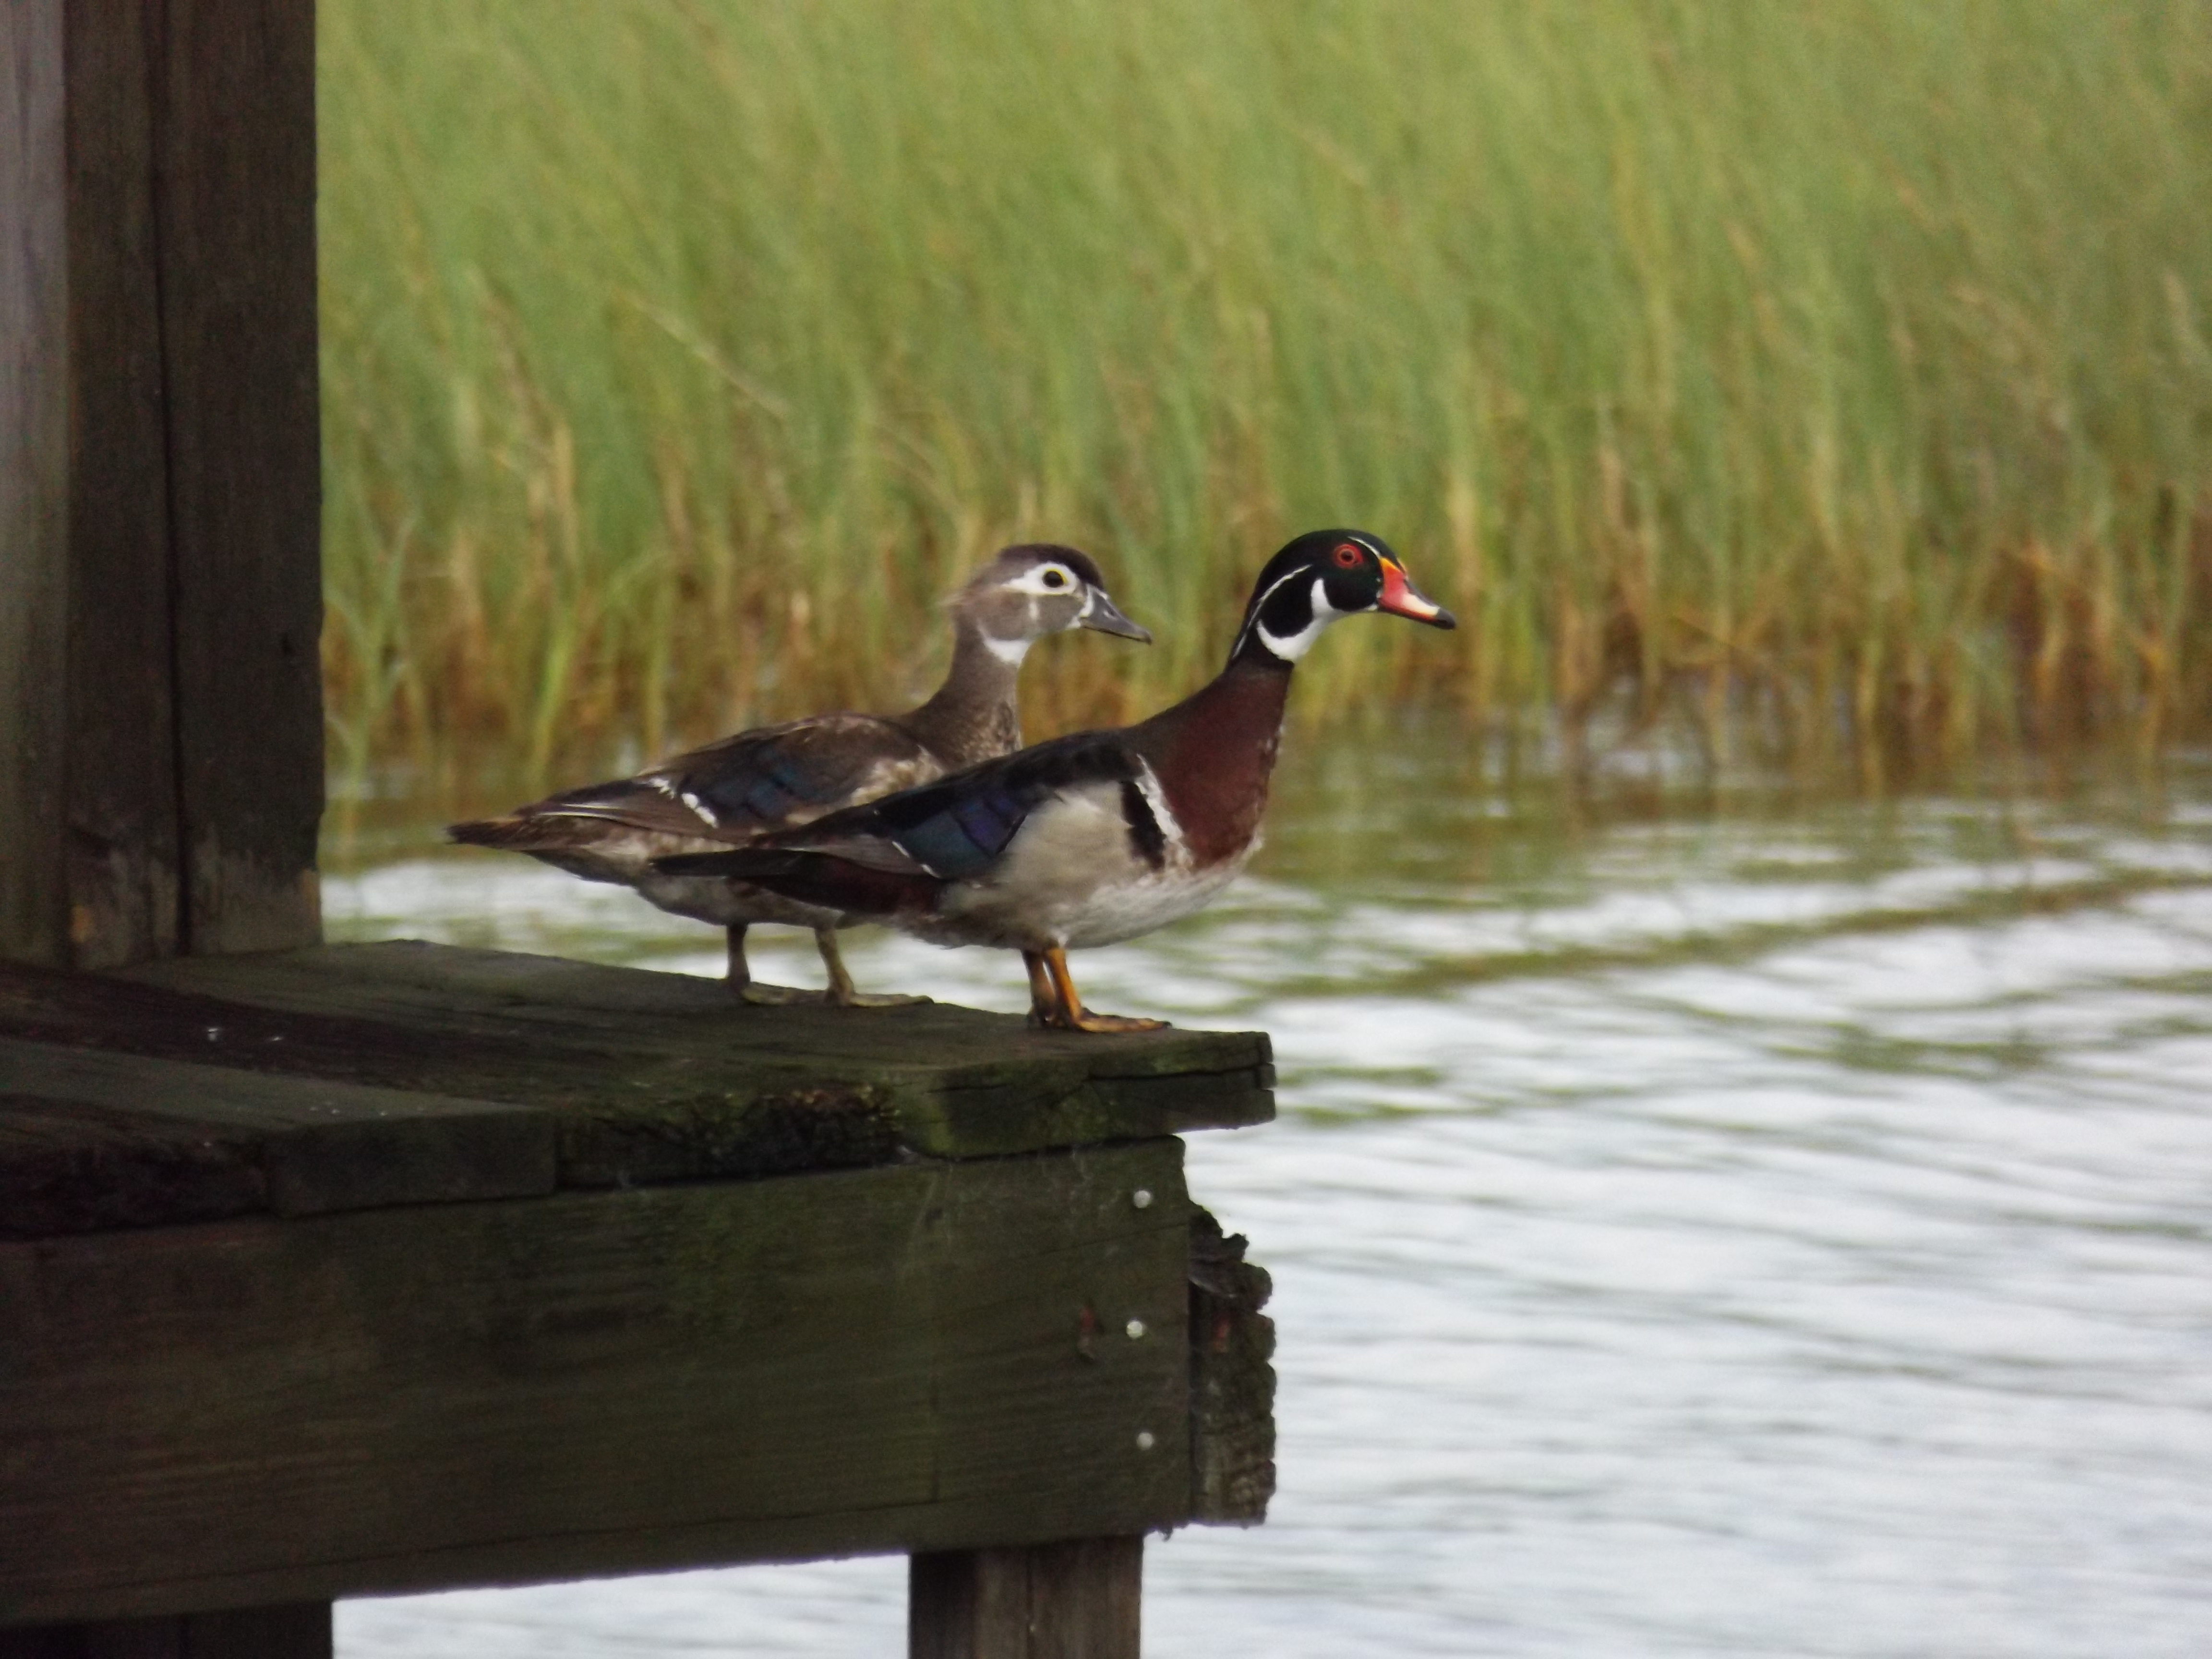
(1744, 1227)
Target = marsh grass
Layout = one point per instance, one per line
(1836, 373)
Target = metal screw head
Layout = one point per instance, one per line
(1143, 1440)
(1142, 1198)
(1136, 1329)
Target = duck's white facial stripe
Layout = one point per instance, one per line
(1289, 648)
(1258, 605)
(1053, 581)
(1009, 651)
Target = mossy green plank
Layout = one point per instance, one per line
(960, 1082)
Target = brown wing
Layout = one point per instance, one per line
(775, 777)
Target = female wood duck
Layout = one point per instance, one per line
(779, 777)
(1100, 836)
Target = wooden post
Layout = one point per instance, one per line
(1072, 1600)
(33, 477)
(161, 716)
(161, 581)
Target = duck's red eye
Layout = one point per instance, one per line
(1348, 556)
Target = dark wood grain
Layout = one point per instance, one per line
(157, 1141)
(1077, 1599)
(625, 1112)
(69, 1165)
(301, 1631)
(258, 1411)
(1232, 1382)
(33, 479)
(234, 164)
(121, 811)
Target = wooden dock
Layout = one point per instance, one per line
(386, 1267)
(334, 1271)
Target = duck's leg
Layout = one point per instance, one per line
(1071, 1015)
(750, 990)
(1044, 997)
(842, 992)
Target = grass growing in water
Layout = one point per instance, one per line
(1845, 363)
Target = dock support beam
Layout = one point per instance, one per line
(299, 1631)
(1072, 1600)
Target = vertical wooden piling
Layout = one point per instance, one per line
(234, 198)
(1072, 1601)
(33, 477)
(118, 882)
(161, 583)
(160, 715)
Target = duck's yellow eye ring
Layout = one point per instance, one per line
(1348, 555)
(1056, 577)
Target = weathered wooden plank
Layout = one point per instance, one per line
(915, 1358)
(121, 809)
(299, 1631)
(233, 124)
(1079, 1600)
(627, 1114)
(33, 479)
(317, 1145)
(408, 976)
(963, 1082)
(69, 1166)
(699, 1087)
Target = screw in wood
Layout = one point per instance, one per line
(1142, 1198)
(1143, 1440)
(1136, 1329)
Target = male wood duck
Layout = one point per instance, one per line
(1099, 836)
(779, 777)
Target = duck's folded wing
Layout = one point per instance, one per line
(947, 830)
(756, 782)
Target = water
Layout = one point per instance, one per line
(1702, 1224)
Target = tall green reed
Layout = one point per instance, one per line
(1841, 364)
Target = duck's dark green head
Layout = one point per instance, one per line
(1321, 576)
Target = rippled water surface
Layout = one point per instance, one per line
(1701, 1224)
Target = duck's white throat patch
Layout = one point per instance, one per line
(1009, 651)
(1291, 647)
